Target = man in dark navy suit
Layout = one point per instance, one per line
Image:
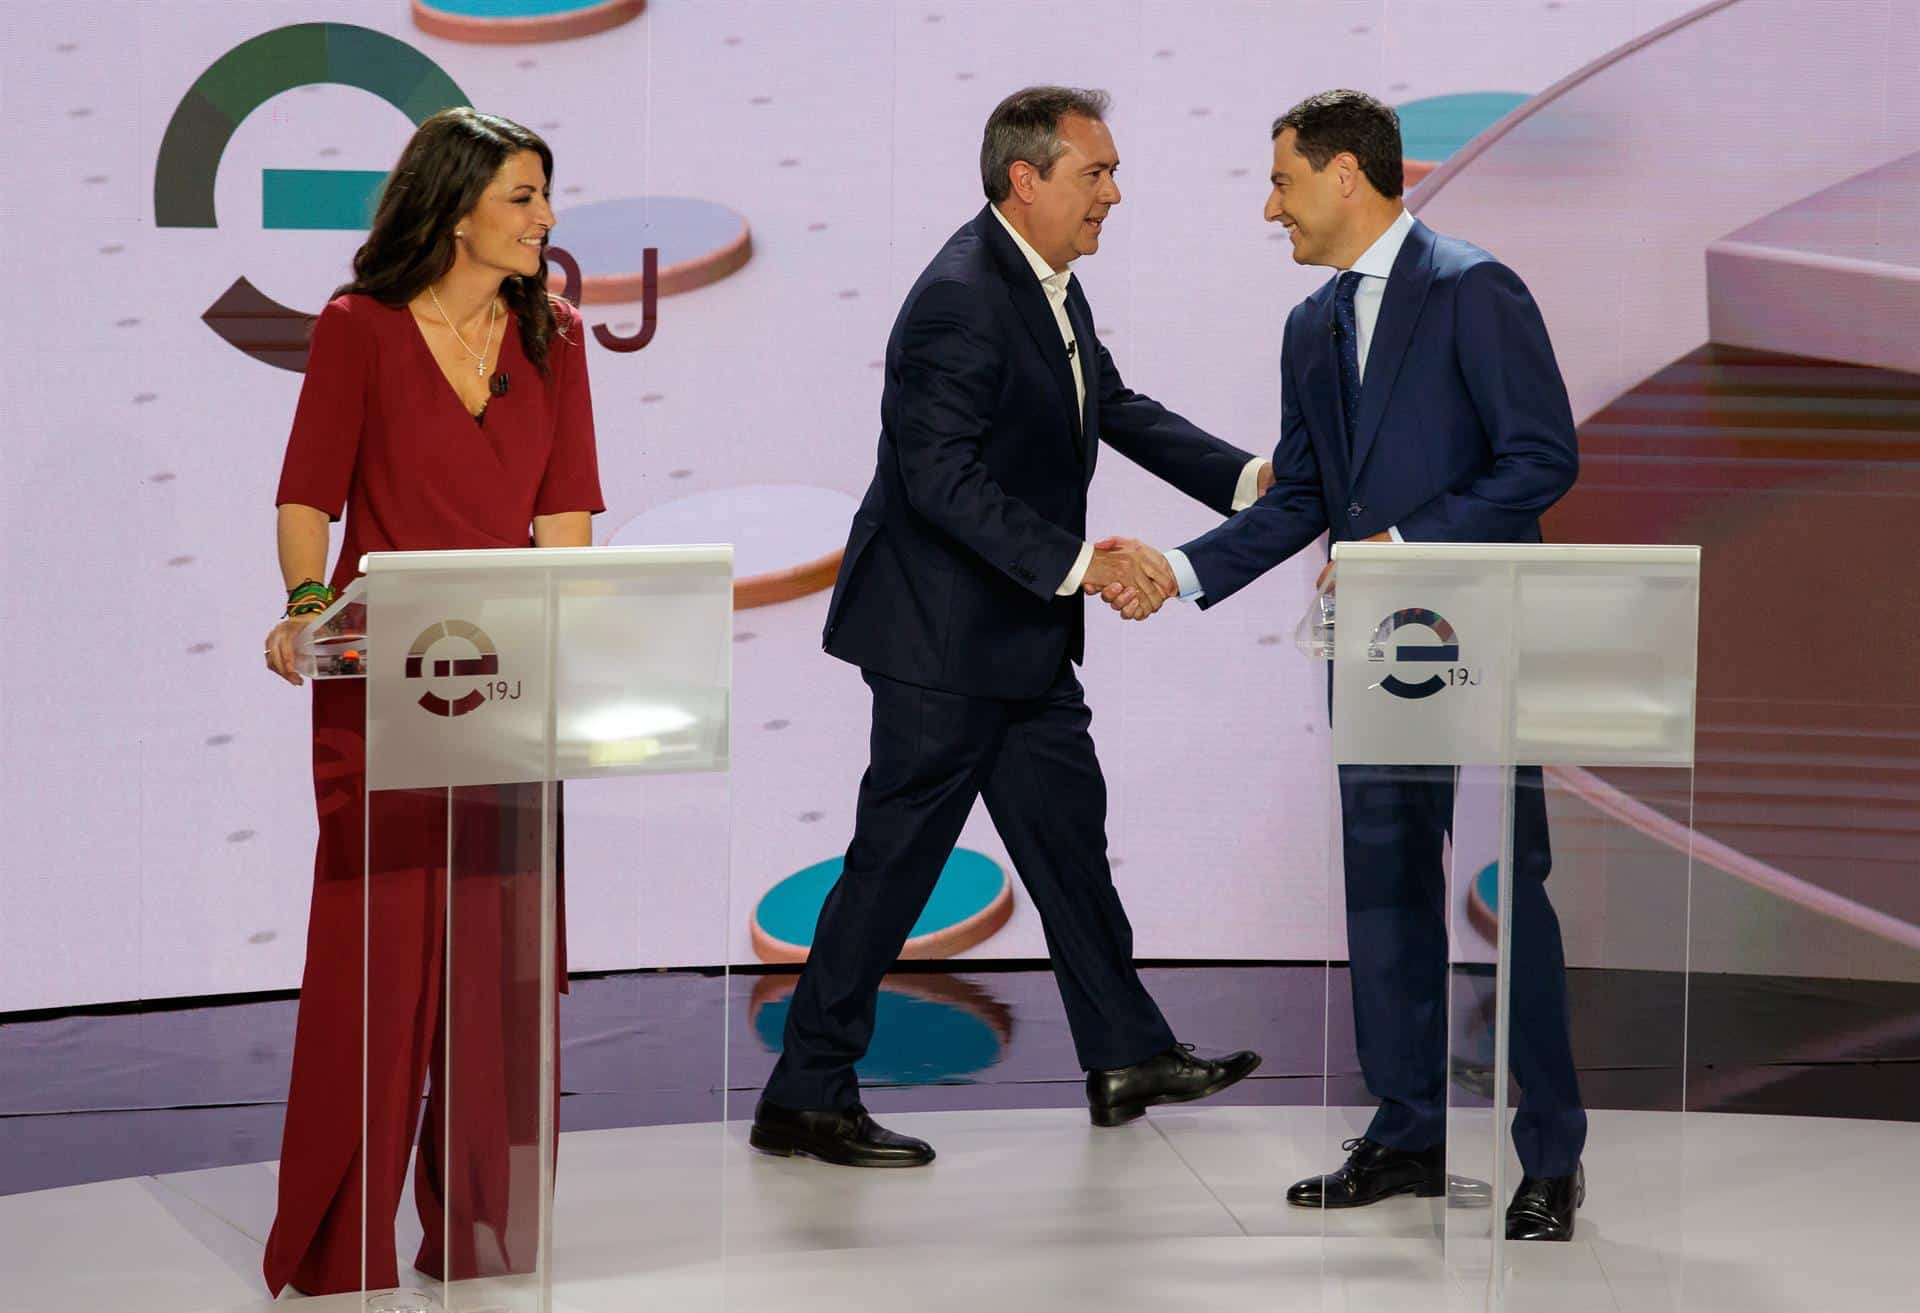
(1419, 401)
(960, 598)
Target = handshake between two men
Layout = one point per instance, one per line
(1135, 578)
(1132, 577)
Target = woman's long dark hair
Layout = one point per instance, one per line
(441, 176)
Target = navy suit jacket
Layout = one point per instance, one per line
(1464, 433)
(978, 505)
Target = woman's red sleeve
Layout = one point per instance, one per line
(321, 450)
(572, 480)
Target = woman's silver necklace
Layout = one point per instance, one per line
(479, 357)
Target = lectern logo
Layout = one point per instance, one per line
(484, 664)
(1444, 652)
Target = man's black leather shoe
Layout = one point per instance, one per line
(848, 1138)
(1176, 1076)
(1374, 1172)
(1543, 1206)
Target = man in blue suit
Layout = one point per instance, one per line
(1419, 401)
(960, 599)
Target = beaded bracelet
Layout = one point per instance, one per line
(308, 597)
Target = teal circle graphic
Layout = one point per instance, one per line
(1434, 127)
(1486, 887)
(968, 883)
(512, 8)
(916, 1041)
(1483, 902)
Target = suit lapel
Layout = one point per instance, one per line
(1407, 289)
(1087, 431)
(1320, 384)
(1030, 303)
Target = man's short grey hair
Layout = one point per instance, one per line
(1026, 126)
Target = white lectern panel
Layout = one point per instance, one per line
(491, 677)
(466, 668)
(1484, 654)
(1459, 671)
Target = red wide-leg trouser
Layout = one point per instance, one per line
(456, 1007)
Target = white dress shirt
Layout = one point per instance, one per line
(1374, 266)
(1054, 283)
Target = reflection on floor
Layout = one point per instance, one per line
(1036, 1210)
(100, 1097)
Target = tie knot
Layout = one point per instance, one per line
(1347, 284)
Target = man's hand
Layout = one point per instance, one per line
(1130, 576)
(1263, 480)
(1324, 584)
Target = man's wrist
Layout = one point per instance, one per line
(1184, 576)
(1077, 575)
(1247, 490)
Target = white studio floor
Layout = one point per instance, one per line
(1037, 1210)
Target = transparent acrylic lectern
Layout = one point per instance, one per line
(1501, 712)
(490, 678)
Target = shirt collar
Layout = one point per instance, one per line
(1054, 280)
(1378, 260)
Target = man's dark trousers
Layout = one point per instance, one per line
(933, 753)
(1395, 820)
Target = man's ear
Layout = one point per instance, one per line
(1024, 177)
(1349, 176)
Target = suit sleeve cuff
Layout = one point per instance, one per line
(1394, 533)
(1183, 575)
(1078, 574)
(1247, 491)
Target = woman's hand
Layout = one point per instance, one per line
(302, 535)
(283, 647)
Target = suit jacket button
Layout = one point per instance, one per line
(1353, 511)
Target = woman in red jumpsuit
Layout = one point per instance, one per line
(445, 406)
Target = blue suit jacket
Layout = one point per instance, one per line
(978, 505)
(1464, 433)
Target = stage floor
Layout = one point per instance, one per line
(1037, 1210)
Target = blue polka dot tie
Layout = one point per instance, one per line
(1349, 344)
